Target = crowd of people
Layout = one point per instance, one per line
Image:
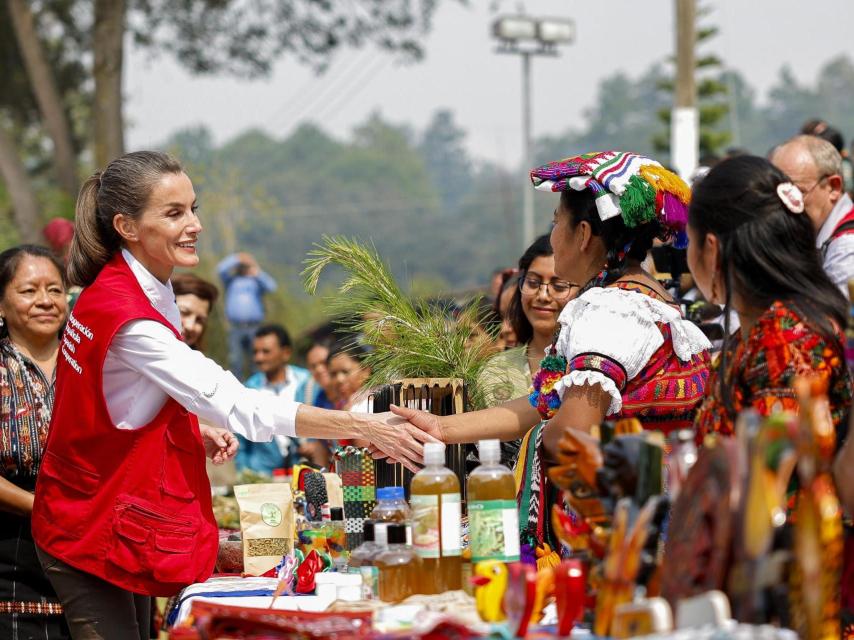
(583, 325)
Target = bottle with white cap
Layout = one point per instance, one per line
(436, 521)
(492, 509)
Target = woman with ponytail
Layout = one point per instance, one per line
(623, 349)
(122, 509)
(752, 250)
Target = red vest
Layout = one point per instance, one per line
(131, 506)
(844, 228)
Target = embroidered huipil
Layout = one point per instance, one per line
(780, 347)
(26, 403)
(639, 349)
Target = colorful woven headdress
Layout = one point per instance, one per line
(624, 184)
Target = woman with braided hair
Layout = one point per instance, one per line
(623, 348)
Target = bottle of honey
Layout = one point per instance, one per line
(493, 514)
(436, 522)
(398, 567)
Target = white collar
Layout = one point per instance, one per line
(842, 206)
(160, 295)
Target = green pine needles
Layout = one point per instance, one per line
(409, 339)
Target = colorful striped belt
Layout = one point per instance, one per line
(31, 608)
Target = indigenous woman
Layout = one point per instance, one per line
(752, 249)
(122, 508)
(624, 349)
(33, 306)
(538, 298)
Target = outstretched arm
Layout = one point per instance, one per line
(583, 406)
(507, 421)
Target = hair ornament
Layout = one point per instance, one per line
(791, 197)
(624, 184)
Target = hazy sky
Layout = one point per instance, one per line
(461, 71)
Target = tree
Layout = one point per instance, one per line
(621, 117)
(446, 159)
(46, 91)
(231, 36)
(712, 105)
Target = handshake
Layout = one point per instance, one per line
(399, 435)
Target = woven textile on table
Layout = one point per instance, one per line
(358, 482)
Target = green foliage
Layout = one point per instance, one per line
(246, 38)
(446, 159)
(408, 339)
(711, 96)
(623, 114)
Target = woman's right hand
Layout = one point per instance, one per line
(395, 436)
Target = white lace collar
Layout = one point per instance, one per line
(160, 295)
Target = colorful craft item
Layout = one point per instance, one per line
(543, 591)
(623, 184)
(312, 565)
(518, 602)
(285, 572)
(543, 396)
(623, 560)
(570, 582)
(814, 581)
(490, 582)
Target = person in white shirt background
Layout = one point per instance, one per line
(143, 205)
(815, 167)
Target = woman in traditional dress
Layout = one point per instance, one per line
(752, 249)
(33, 306)
(624, 348)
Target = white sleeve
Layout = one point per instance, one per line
(607, 336)
(200, 385)
(839, 262)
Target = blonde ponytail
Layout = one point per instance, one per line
(123, 187)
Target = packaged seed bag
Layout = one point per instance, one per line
(267, 524)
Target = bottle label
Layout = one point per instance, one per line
(494, 530)
(436, 525)
(370, 583)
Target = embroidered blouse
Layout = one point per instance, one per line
(26, 403)
(781, 346)
(651, 361)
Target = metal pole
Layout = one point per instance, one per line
(528, 191)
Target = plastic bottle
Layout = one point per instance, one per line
(362, 558)
(336, 538)
(436, 521)
(492, 509)
(391, 507)
(398, 567)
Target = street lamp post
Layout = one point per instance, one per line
(527, 37)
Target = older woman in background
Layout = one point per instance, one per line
(33, 308)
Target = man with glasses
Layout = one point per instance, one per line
(815, 166)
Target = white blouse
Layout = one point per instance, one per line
(622, 326)
(146, 364)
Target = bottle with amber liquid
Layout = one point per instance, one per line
(493, 514)
(434, 497)
(398, 567)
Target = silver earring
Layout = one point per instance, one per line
(2, 321)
